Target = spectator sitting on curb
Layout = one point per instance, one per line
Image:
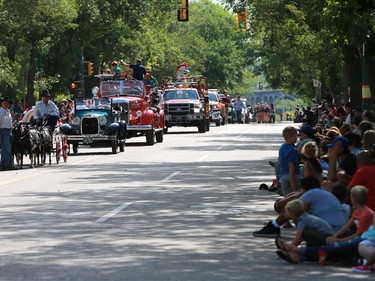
(367, 251)
(368, 140)
(341, 192)
(365, 126)
(336, 215)
(311, 229)
(342, 247)
(355, 144)
(361, 218)
(368, 115)
(338, 152)
(288, 162)
(365, 175)
(306, 134)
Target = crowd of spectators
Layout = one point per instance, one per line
(327, 180)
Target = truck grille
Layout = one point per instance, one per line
(90, 126)
(179, 108)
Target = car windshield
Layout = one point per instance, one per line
(133, 88)
(89, 104)
(213, 96)
(122, 88)
(110, 89)
(181, 94)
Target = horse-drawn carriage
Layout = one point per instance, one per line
(38, 142)
(60, 144)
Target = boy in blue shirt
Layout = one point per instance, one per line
(288, 162)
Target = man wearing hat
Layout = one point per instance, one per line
(306, 134)
(339, 153)
(6, 162)
(46, 110)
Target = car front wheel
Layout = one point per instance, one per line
(150, 137)
(114, 144)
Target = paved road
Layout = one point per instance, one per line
(183, 209)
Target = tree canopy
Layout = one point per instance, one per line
(289, 43)
(298, 41)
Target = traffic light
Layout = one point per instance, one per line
(242, 20)
(90, 69)
(183, 12)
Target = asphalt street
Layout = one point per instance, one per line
(182, 210)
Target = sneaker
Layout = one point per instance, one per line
(269, 230)
(272, 188)
(271, 163)
(361, 269)
(10, 168)
(263, 186)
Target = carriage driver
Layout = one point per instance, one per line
(46, 111)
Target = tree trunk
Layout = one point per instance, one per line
(352, 74)
(371, 70)
(30, 100)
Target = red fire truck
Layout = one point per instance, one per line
(142, 115)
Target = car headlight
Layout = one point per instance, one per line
(76, 121)
(138, 113)
(197, 108)
(102, 120)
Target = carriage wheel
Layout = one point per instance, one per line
(58, 152)
(65, 149)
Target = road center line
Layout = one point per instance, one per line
(170, 176)
(202, 158)
(113, 212)
(240, 135)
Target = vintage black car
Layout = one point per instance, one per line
(96, 122)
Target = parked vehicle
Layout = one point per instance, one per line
(96, 122)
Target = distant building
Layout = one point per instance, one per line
(268, 96)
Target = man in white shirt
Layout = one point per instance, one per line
(348, 112)
(238, 103)
(46, 110)
(6, 162)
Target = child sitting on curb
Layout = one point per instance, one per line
(337, 246)
(288, 161)
(311, 229)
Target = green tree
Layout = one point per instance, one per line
(35, 29)
(313, 39)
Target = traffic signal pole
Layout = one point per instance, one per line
(82, 75)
